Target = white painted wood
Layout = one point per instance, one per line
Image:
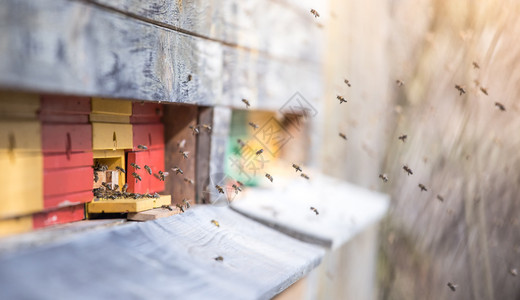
(169, 258)
(344, 209)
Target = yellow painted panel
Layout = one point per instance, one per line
(109, 118)
(20, 136)
(111, 106)
(17, 104)
(111, 136)
(119, 205)
(164, 200)
(16, 225)
(21, 183)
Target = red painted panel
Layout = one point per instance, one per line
(64, 181)
(64, 160)
(141, 159)
(150, 135)
(59, 216)
(157, 163)
(64, 105)
(66, 138)
(74, 119)
(67, 199)
(146, 112)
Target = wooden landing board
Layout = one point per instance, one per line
(119, 205)
(153, 214)
(344, 209)
(169, 258)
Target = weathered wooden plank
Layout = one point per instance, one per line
(79, 48)
(169, 258)
(343, 209)
(153, 214)
(279, 28)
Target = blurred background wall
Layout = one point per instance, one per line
(461, 147)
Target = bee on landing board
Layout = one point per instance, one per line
(246, 103)
(407, 170)
(186, 203)
(422, 187)
(124, 188)
(184, 154)
(460, 89)
(343, 136)
(148, 169)
(219, 189)
(383, 177)
(168, 207)
(315, 13)
(500, 106)
(403, 137)
(268, 176)
(341, 99)
(452, 286)
(215, 222)
(177, 170)
(255, 127)
(347, 82)
(297, 167)
(315, 210)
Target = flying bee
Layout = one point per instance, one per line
(241, 143)
(407, 170)
(500, 106)
(255, 127)
(343, 136)
(219, 189)
(399, 82)
(186, 203)
(207, 127)
(182, 143)
(484, 90)
(237, 188)
(120, 169)
(168, 207)
(137, 177)
(158, 176)
(383, 177)
(452, 286)
(475, 65)
(124, 188)
(315, 13)
(142, 147)
(190, 77)
(162, 175)
(297, 167)
(194, 130)
(304, 176)
(513, 272)
(315, 210)
(403, 137)
(219, 258)
(246, 103)
(190, 181)
(259, 151)
(347, 82)
(215, 222)
(180, 207)
(269, 176)
(422, 187)
(460, 89)
(148, 169)
(440, 198)
(135, 166)
(96, 176)
(177, 170)
(240, 183)
(184, 154)
(341, 99)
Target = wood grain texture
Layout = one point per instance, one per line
(344, 209)
(153, 214)
(174, 257)
(244, 24)
(204, 155)
(63, 46)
